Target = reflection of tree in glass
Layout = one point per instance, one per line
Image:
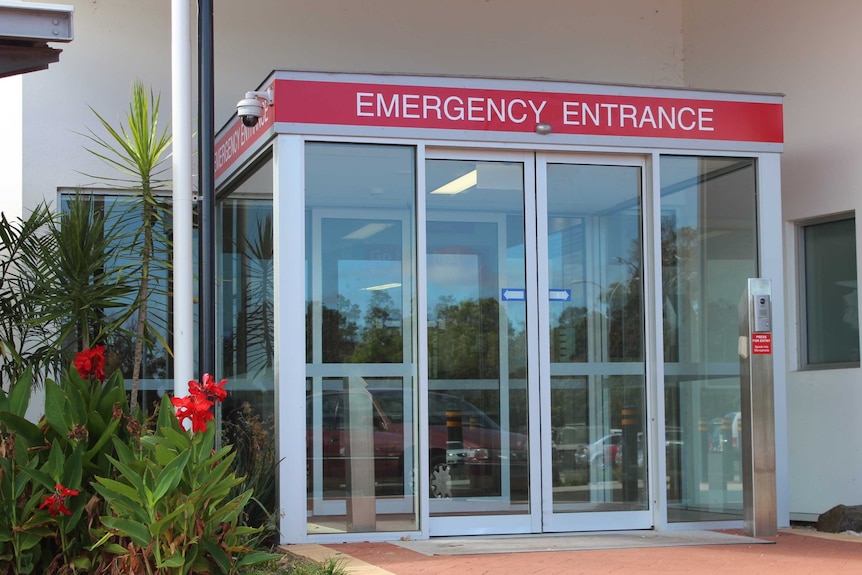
(257, 297)
(569, 336)
(625, 311)
(679, 271)
(340, 328)
(380, 340)
(466, 342)
(517, 351)
(120, 354)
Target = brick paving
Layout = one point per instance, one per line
(794, 552)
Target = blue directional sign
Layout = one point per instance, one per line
(513, 294)
(560, 295)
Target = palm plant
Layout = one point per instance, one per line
(80, 287)
(138, 149)
(20, 339)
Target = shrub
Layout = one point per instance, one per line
(90, 489)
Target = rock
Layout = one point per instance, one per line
(841, 518)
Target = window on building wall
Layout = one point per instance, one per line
(123, 214)
(829, 293)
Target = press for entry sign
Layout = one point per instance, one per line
(761, 344)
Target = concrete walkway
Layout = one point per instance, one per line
(791, 552)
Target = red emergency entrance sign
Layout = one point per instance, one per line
(500, 110)
(761, 344)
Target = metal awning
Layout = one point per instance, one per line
(25, 31)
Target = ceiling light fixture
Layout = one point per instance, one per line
(367, 231)
(382, 287)
(458, 185)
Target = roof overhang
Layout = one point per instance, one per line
(25, 30)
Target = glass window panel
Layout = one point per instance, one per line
(245, 315)
(124, 214)
(361, 405)
(708, 251)
(831, 296)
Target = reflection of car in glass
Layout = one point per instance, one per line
(573, 449)
(672, 446)
(570, 449)
(603, 451)
(725, 432)
(466, 454)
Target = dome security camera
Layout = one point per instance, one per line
(250, 108)
(249, 111)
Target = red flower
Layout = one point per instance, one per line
(195, 407)
(209, 388)
(91, 363)
(56, 503)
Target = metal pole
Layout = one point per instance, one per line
(206, 130)
(181, 119)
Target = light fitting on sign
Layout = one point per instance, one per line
(367, 231)
(382, 287)
(458, 185)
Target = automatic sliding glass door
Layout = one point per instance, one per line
(594, 470)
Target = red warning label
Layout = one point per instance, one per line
(761, 343)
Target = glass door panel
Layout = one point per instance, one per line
(595, 469)
(709, 250)
(477, 343)
(361, 403)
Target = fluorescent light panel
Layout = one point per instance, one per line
(367, 231)
(382, 287)
(458, 185)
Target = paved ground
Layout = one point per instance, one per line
(793, 552)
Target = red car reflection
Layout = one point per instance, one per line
(467, 454)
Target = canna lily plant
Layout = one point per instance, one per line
(91, 489)
(171, 508)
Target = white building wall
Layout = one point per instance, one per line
(11, 148)
(119, 41)
(810, 52)
(116, 42)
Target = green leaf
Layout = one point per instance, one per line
(175, 561)
(115, 549)
(138, 532)
(28, 540)
(73, 468)
(39, 477)
(123, 451)
(157, 527)
(23, 428)
(177, 439)
(218, 555)
(103, 439)
(56, 409)
(170, 476)
(166, 415)
(56, 459)
(118, 488)
(19, 395)
(130, 474)
(256, 557)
